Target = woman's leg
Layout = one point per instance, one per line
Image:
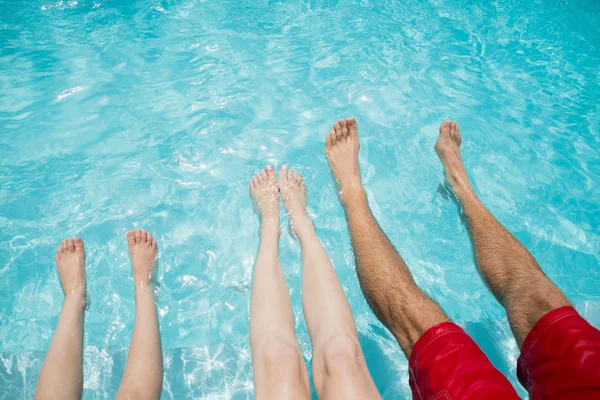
(339, 367)
(279, 370)
(62, 372)
(143, 374)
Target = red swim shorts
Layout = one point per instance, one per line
(560, 359)
(446, 364)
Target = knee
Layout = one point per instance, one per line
(282, 360)
(341, 354)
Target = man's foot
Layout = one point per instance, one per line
(70, 263)
(293, 194)
(341, 150)
(447, 148)
(265, 195)
(142, 249)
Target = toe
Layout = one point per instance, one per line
(59, 250)
(131, 237)
(263, 176)
(78, 243)
(254, 181)
(283, 172)
(154, 245)
(144, 236)
(445, 126)
(270, 172)
(149, 238)
(70, 245)
(338, 130)
(330, 138)
(344, 128)
(352, 126)
(138, 236)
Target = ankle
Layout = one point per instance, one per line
(76, 298)
(301, 224)
(351, 192)
(270, 228)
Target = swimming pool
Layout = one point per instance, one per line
(155, 114)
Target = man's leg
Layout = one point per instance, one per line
(61, 376)
(560, 351)
(279, 370)
(339, 367)
(143, 374)
(444, 361)
(384, 277)
(511, 272)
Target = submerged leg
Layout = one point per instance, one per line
(384, 277)
(279, 370)
(143, 374)
(61, 376)
(511, 272)
(444, 362)
(339, 367)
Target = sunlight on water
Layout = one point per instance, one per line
(143, 113)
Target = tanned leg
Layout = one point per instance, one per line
(384, 277)
(511, 272)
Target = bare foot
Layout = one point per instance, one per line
(265, 195)
(293, 194)
(341, 150)
(70, 263)
(447, 148)
(142, 249)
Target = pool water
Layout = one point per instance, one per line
(123, 114)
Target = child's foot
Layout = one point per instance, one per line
(142, 249)
(293, 193)
(265, 195)
(447, 148)
(341, 150)
(70, 264)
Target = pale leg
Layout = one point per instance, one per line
(143, 374)
(339, 367)
(279, 370)
(61, 376)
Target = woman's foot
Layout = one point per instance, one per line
(447, 148)
(293, 194)
(142, 249)
(70, 264)
(265, 195)
(341, 149)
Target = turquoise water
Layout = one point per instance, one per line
(155, 114)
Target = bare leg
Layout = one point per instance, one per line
(339, 367)
(279, 370)
(62, 372)
(510, 271)
(143, 374)
(384, 277)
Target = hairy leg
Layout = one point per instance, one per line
(279, 370)
(143, 374)
(339, 367)
(384, 277)
(511, 272)
(61, 376)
